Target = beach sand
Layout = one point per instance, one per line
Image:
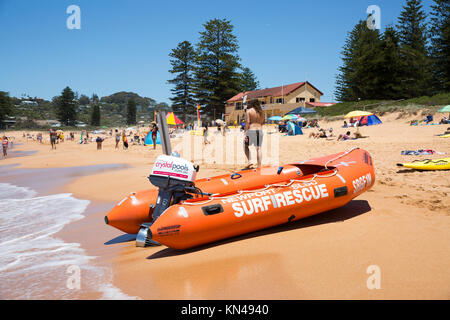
(401, 225)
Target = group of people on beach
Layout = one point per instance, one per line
(322, 134)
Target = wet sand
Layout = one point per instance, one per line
(401, 225)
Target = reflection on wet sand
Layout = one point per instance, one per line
(236, 277)
(263, 269)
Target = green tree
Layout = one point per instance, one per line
(358, 73)
(95, 115)
(6, 106)
(84, 100)
(66, 106)
(183, 65)
(390, 66)
(131, 112)
(440, 45)
(248, 80)
(216, 75)
(413, 39)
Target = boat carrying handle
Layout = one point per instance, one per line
(212, 209)
(235, 176)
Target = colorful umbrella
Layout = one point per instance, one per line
(357, 113)
(300, 118)
(275, 118)
(290, 117)
(172, 119)
(445, 109)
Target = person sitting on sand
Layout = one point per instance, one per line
(345, 124)
(428, 119)
(320, 134)
(330, 133)
(282, 127)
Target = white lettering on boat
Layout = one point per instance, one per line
(362, 182)
(259, 202)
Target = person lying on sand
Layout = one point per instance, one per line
(320, 134)
(445, 133)
(343, 137)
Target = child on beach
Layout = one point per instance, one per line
(154, 133)
(5, 146)
(125, 141)
(117, 139)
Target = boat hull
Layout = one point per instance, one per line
(193, 223)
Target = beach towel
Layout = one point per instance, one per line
(421, 152)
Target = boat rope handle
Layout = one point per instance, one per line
(268, 186)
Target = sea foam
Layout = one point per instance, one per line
(34, 263)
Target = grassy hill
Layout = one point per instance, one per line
(429, 104)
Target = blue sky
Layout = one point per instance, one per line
(125, 45)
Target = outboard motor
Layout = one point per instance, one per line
(175, 179)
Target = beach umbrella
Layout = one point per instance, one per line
(290, 117)
(445, 109)
(275, 118)
(357, 113)
(302, 110)
(301, 119)
(220, 122)
(172, 119)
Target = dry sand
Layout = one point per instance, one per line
(401, 225)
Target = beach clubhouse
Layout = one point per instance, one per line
(276, 101)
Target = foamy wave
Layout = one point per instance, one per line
(33, 263)
(113, 293)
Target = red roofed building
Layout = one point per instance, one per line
(275, 101)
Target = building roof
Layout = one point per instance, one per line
(271, 92)
(320, 104)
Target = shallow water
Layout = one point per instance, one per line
(34, 263)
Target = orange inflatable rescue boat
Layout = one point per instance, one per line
(184, 212)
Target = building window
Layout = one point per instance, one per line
(312, 100)
(238, 105)
(271, 100)
(298, 100)
(279, 100)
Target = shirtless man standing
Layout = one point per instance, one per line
(254, 119)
